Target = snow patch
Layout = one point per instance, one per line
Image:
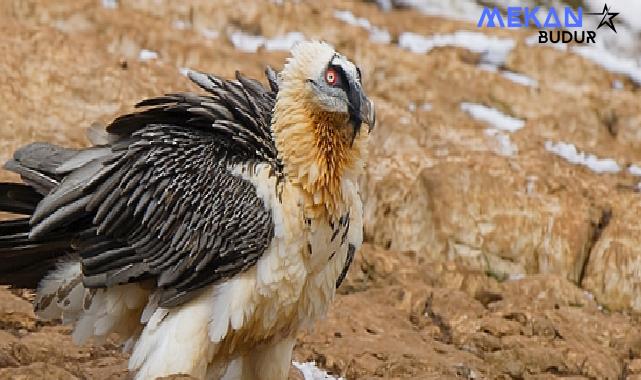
(517, 78)
(349, 18)
(110, 4)
(504, 145)
(635, 170)
(611, 62)
(246, 42)
(311, 372)
(493, 117)
(493, 50)
(250, 43)
(181, 24)
(530, 185)
(147, 55)
(617, 85)
(521, 79)
(376, 34)
(413, 107)
(385, 5)
(572, 155)
(468, 10)
(209, 34)
(379, 35)
(426, 107)
(284, 43)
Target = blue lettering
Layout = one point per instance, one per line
(573, 20)
(514, 17)
(491, 15)
(530, 16)
(556, 23)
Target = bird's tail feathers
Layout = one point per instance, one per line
(23, 262)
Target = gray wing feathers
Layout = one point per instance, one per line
(272, 78)
(159, 201)
(199, 223)
(43, 165)
(43, 157)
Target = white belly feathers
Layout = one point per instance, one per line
(291, 285)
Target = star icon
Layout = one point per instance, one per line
(607, 18)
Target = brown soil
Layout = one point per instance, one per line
(429, 297)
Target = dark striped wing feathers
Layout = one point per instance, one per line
(238, 112)
(161, 203)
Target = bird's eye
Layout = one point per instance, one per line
(331, 76)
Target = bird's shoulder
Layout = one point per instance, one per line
(234, 114)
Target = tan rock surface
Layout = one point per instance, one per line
(405, 317)
(437, 186)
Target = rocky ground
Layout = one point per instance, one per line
(488, 255)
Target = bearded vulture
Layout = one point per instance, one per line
(207, 229)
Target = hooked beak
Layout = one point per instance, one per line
(361, 109)
(368, 114)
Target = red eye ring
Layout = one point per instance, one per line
(331, 77)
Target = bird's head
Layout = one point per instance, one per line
(329, 82)
(318, 117)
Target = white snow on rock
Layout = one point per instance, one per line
(426, 107)
(379, 35)
(468, 10)
(385, 5)
(572, 155)
(517, 78)
(110, 4)
(250, 43)
(209, 34)
(600, 55)
(635, 170)
(147, 55)
(617, 85)
(493, 50)
(376, 34)
(493, 117)
(500, 127)
(521, 79)
(181, 24)
(349, 18)
(611, 62)
(246, 42)
(285, 42)
(504, 145)
(311, 372)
